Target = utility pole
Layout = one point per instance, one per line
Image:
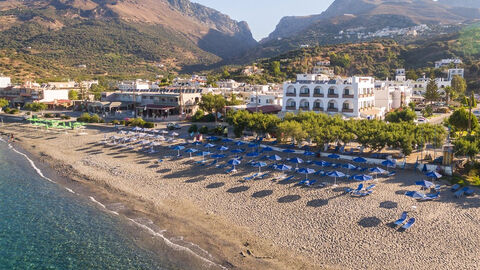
(134, 102)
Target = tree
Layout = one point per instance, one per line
(3, 103)
(460, 120)
(412, 75)
(291, 129)
(459, 85)
(449, 93)
(276, 68)
(225, 73)
(212, 103)
(403, 115)
(73, 95)
(466, 147)
(432, 91)
(234, 100)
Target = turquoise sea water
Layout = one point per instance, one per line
(43, 226)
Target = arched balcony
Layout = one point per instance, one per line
(332, 92)
(332, 106)
(318, 106)
(347, 107)
(348, 92)
(291, 105)
(304, 91)
(304, 105)
(318, 92)
(291, 91)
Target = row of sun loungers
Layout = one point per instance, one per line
(402, 219)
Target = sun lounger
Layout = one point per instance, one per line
(230, 170)
(409, 224)
(390, 174)
(222, 166)
(248, 178)
(303, 182)
(362, 169)
(288, 178)
(469, 192)
(212, 163)
(402, 219)
(263, 176)
(432, 196)
(310, 183)
(358, 189)
(459, 193)
(455, 187)
(370, 187)
(437, 187)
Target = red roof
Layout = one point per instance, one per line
(266, 109)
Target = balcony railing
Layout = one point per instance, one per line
(291, 94)
(304, 94)
(318, 109)
(348, 96)
(318, 95)
(332, 95)
(305, 108)
(365, 95)
(347, 110)
(332, 110)
(291, 108)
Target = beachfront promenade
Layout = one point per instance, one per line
(281, 219)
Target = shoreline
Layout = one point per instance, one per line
(265, 224)
(147, 215)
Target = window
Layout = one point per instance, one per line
(346, 106)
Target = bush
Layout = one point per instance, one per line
(148, 125)
(13, 111)
(28, 113)
(48, 115)
(135, 122)
(200, 116)
(115, 122)
(442, 110)
(35, 107)
(58, 115)
(193, 128)
(94, 118)
(428, 111)
(85, 117)
(203, 130)
(65, 117)
(7, 110)
(217, 130)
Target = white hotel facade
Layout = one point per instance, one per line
(352, 97)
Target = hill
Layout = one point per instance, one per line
(347, 21)
(45, 37)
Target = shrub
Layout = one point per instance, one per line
(13, 111)
(428, 111)
(193, 128)
(85, 117)
(35, 107)
(7, 110)
(217, 130)
(148, 125)
(115, 122)
(94, 118)
(203, 130)
(135, 122)
(65, 117)
(58, 115)
(28, 113)
(442, 110)
(48, 115)
(200, 116)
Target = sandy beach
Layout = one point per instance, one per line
(265, 224)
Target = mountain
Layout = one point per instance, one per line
(362, 20)
(115, 36)
(461, 3)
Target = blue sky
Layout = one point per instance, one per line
(263, 15)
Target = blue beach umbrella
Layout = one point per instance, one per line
(275, 158)
(234, 162)
(349, 166)
(190, 151)
(196, 143)
(389, 163)
(333, 156)
(178, 148)
(336, 174)
(223, 148)
(322, 163)
(209, 145)
(259, 165)
(308, 153)
(296, 160)
(359, 160)
(283, 167)
(306, 171)
(424, 184)
(216, 156)
(377, 171)
(252, 145)
(237, 151)
(203, 154)
(415, 194)
(362, 177)
(434, 175)
(267, 149)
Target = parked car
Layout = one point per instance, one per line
(172, 126)
(422, 120)
(476, 113)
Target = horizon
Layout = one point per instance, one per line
(260, 26)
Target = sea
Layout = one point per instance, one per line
(44, 225)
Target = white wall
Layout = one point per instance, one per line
(5, 82)
(52, 95)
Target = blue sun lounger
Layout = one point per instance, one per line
(402, 219)
(358, 189)
(370, 187)
(409, 224)
(310, 183)
(248, 178)
(455, 187)
(431, 196)
(263, 176)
